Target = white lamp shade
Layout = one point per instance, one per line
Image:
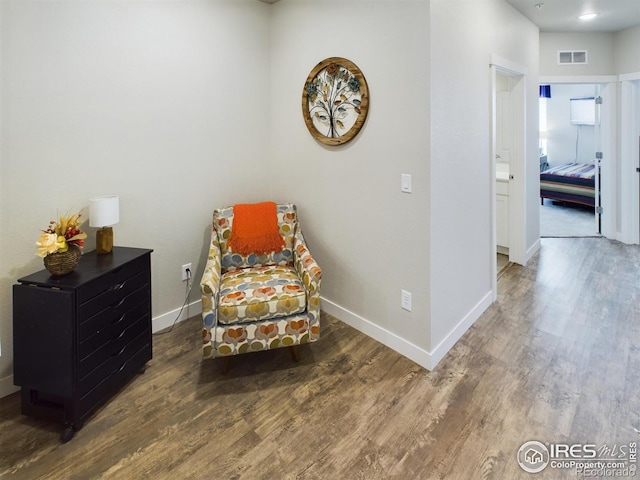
(104, 211)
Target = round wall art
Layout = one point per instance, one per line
(335, 101)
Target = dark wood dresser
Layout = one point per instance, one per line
(79, 338)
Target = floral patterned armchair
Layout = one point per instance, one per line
(259, 301)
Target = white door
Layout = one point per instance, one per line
(516, 76)
(630, 160)
(606, 138)
(635, 150)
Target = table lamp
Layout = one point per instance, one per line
(103, 213)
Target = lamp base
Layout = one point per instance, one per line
(104, 240)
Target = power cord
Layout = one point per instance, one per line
(186, 300)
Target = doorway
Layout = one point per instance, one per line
(504, 140)
(606, 193)
(569, 167)
(507, 155)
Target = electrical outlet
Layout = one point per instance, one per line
(186, 271)
(405, 300)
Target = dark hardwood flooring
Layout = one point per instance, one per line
(555, 359)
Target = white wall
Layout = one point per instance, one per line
(464, 35)
(562, 136)
(600, 53)
(627, 54)
(608, 53)
(163, 103)
(370, 239)
(627, 62)
(427, 64)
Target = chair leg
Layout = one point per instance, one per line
(293, 350)
(226, 364)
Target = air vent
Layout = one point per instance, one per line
(572, 57)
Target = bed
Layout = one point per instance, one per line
(572, 183)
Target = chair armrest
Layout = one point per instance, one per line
(311, 275)
(210, 286)
(306, 267)
(210, 282)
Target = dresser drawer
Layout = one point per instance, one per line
(113, 297)
(112, 280)
(114, 348)
(110, 383)
(111, 330)
(114, 314)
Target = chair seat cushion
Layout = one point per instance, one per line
(260, 293)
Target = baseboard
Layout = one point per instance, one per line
(532, 251)
(422, 357)
(382, 335)
(175, 316)
(459, 330)
(7, 387)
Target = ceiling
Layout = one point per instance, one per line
(562, 15)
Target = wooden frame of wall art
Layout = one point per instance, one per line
(335, 101)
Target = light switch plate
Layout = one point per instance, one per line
(405, 182)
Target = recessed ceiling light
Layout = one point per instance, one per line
(588, 16)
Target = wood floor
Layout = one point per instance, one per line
(555, 359)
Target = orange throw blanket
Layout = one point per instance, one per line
(255, 229)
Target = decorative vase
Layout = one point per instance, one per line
(62, 263)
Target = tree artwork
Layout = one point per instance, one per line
(335, 101)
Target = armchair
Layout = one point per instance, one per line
(259, 301)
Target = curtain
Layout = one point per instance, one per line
(545, 91)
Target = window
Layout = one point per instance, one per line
(583, 111)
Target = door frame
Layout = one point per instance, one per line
(607, 86)
(629, 158)
(517, 206)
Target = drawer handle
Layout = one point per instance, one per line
(118, 370)
(119, 286)
(124, 315)
(120, 352)
(117, 337)
(119, 304)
